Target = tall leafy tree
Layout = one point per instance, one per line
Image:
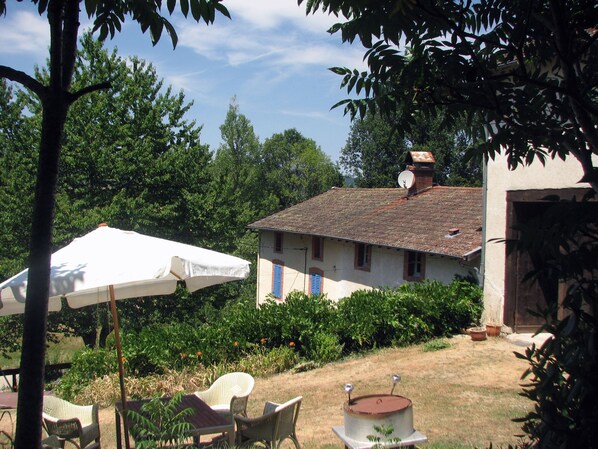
(56, 97)
(377, 147)
(237, 190)
(295, 168)
(375, 152)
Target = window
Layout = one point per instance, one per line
(278, 242)
(414, 267)
(277, 273)
(363, 256)
(317, 248)
(316, 279)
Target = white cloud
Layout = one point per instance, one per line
(238, 43)
(25, 32)
(270, 14)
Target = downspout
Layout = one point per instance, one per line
(258, 266)
(482, 274)
(305, 270)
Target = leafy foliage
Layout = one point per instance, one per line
(275, 336)
(87, 365)
(377, 148)
(160, 423)
(295, 168)
(529, 68)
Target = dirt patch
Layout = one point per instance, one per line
(463, 396)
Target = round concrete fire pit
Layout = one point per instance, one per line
(364, 413)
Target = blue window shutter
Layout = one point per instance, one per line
(316, 284)
(277, 284)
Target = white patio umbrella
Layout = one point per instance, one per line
(110, 264)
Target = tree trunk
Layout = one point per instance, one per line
(31, 383)
(63, 17)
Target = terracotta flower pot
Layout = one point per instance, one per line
(477, 333)
(493, 330)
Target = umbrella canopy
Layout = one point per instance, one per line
(136, 265)
(109, 264)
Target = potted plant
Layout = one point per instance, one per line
(477, 332)
(493, 329)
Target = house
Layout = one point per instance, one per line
(513, 197)
(348, 239)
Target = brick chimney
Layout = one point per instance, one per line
(421, 164)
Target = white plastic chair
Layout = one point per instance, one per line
(228, 394)
(277, 423)
(77, 424)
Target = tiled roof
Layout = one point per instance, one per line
(386, 217)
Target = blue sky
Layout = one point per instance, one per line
(271, 56)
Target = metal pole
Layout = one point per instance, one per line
(121, 369)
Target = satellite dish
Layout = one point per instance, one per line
(406, 179)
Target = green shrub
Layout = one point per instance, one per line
(363, 321)
(323, 348)
(309, 327)
(303, 317)
(87, 365)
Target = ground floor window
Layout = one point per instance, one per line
(277, 278)
(316, 279)
(414, 266)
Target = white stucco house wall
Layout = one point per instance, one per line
(349, 239)
(510, 196)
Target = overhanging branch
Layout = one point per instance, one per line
(22, 78)
(89, 89)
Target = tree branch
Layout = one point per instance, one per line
(89, 89)
(22, 78)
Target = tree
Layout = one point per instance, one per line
(377, 147)
(56, 98)
(237, 195)
(294, 168)
(529, 67)
(129, 158)
(375, 152)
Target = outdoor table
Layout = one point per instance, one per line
(204, 420)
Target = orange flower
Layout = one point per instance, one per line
(235, 344)
(291, 344)
(123, 360)
(183, 355)
(262, 340)
(198, 353)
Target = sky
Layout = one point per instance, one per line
(271, 56)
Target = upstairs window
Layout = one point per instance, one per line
(317, 248)
(316, 279)
(363, 256)
(278, 242)
(414, 266)
(277, 277)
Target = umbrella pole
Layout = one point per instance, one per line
(121, 370)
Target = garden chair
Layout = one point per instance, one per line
(77, 424)
(277, 423)
(228, 394)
